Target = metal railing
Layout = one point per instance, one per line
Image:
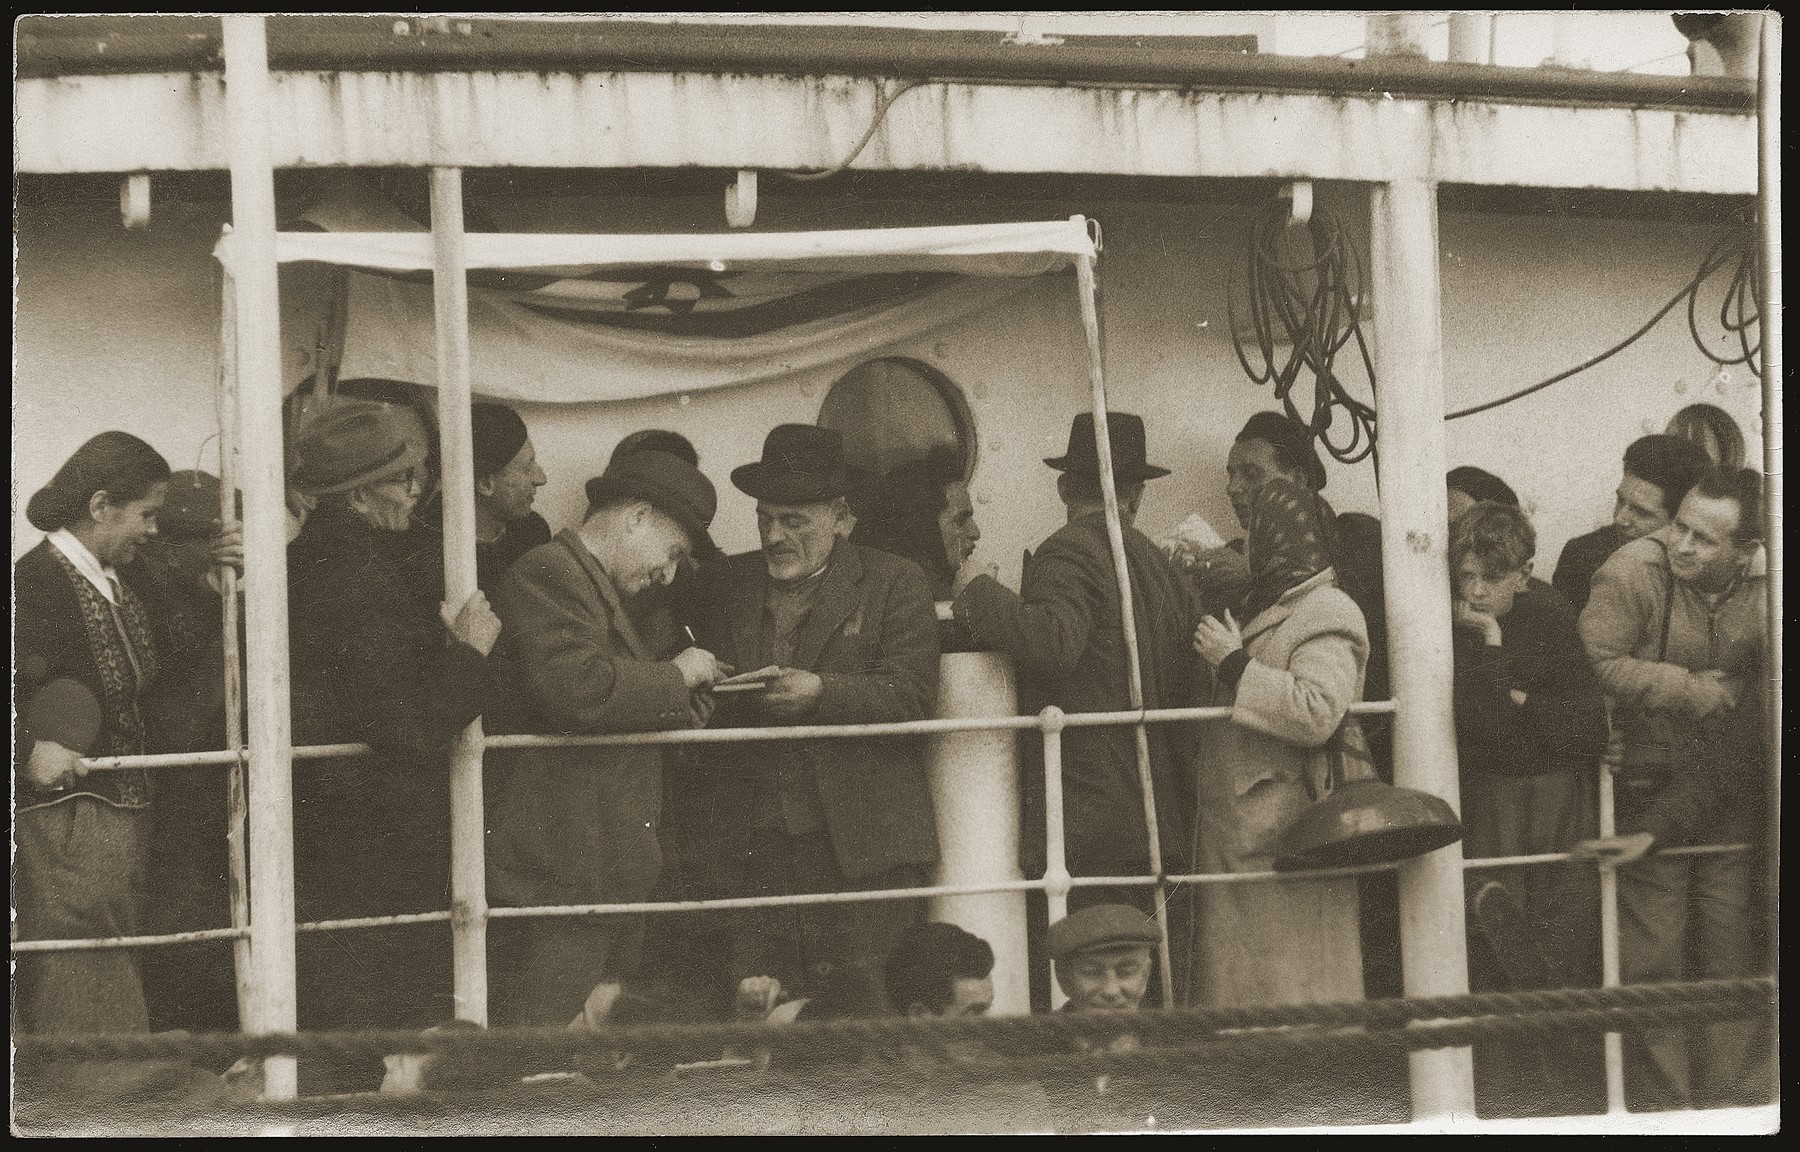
(1056, 878)
(1056, 882)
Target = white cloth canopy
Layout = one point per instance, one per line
(1027, 249)
(518, 354)
(592, 318)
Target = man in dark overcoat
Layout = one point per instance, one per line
(1064, 629)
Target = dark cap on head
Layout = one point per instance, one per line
(1671, 463)
(801, 464)
(1480, 485)
(1101, 926)
(192, 510)
(1292, 441)
(670, 484)
(499, 433)
(1125, 431)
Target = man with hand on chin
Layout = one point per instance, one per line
(1530, 731)
(848, 636)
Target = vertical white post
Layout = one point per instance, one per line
(1088, 292)
(1056, 859)
(1609, 937)
(1471, 37)
(1410, 373)
(1768, 87)
(975, 793)
(265, 539)
(237, 800)
(468, 880)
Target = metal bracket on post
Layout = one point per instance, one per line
(134, 201)
(740, 199)
(1299, 196)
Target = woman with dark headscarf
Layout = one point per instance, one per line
(370, 665)
(85, 658)
(1289, 675)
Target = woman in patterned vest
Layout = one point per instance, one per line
(84, 661)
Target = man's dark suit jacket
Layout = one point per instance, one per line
(871, 636)
(1580, 559)
(1064, 628)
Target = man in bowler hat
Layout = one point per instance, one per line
(845, 635)
(578, 825)
(1063, 628)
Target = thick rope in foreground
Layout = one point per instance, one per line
(1308, 1027)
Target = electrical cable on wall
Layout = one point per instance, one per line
(1740, 314)
(881, 110)
(1308, 296)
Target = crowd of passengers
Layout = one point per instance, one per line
(1644, 657)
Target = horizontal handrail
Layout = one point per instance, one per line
(1479, 862)
(742, 903)
(728, 735)
(104, 942)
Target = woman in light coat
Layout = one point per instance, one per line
(1289, 675)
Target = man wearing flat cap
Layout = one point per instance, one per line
(579, 825)
(1063, 628)
(851, 636)
(1103, 957)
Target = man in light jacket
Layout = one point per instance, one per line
(1677, 627)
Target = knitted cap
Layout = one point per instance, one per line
(351, 443)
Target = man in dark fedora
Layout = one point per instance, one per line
(1063, 628)
(847, 635)
(578, 825)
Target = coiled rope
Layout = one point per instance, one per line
(1176, 1036)
(1304, 289)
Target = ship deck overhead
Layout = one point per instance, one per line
(146, 94)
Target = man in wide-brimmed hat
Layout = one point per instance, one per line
(847, 635)
(578, 825)
(1063, 629)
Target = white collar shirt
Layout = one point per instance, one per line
(104, 579)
